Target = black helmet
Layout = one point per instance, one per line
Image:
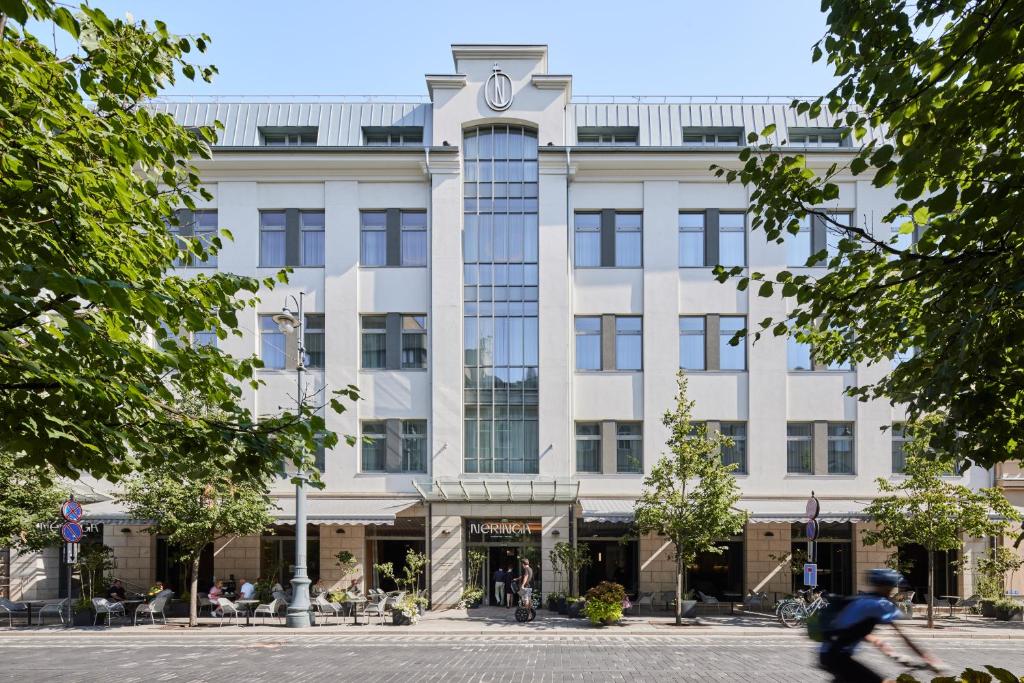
(887, 578)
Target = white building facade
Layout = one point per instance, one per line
(513, 278)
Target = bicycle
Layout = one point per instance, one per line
(795, 612)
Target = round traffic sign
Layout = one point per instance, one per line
(812, 529)
(71, 510)
(812, 507)
(71, 532)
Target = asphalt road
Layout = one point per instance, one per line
(518, 658)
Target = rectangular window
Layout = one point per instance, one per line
(273, 344)
(313, 340)
(629, 342)
(374, 447)
(207, 338)
(691, 240)
(629, 447)
(798, 246)
(798, 354)
(414, 341)
(204, 228)
(374, 342)
(711, 137)
(272, 239)
(800, 448)
(588, 447)
(298, 137)
(311, 231)
(320, 455)
(840, 448)
(398, 136)
(588, 343)
(731, 357)
(628, 240)
(588, 240)
(737, 453)
(608, 135)
(732, 239)
(414, 445)
(691, 342)
(899, 444)
(414, 238)
(835, 232)
(373, 236)
(818, 137)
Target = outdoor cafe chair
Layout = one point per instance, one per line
(12, 609)
(378, 608)
(60, 608)
(646, 599)
(153, 608)
(669, 599)
(203, 600)
(104, 606)
(226, 608)
(269, 609)
(709, 600)
(322, 605)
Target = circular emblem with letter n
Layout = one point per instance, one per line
(498, 90)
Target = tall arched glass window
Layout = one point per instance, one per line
(500, 300)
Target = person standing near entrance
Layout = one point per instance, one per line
(510, 576)
(499, 586)
(526, 584)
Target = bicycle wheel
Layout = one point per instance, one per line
(792, 615)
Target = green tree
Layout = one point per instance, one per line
(942, 80)
(30, 501)
(195, 502)
(690, 495)
(928, 509)
(94, 329)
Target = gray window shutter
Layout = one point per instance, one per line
(819, 236)
(712, 358)
(393, 343)
(607, 342)
(608, 238)
(393, 446)
(394, 237)
(609, 447)
(293, 237)
(711, 237)
(820, 446)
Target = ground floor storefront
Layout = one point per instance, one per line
(468, 541)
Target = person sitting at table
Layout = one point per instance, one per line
(353, 588)
(216, 591)
(116, 592)
(246, 590)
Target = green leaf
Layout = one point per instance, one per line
(63, 18)
(15, 9)
(766, 289)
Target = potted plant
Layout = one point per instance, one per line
(574, 607)
(473, 593)
(82, 612)
(604, 603)
(688, 606)
(990, 577)
(1009, 610)
(406, 612)
(471, 597)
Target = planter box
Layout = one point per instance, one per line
(574, 610)
(399, 619)
(84, 618)
(689, 609)
(1014, 614)
(988, 609)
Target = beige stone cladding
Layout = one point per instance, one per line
(238, 556)
(866, 557)
(657, 564)
(34, 575)
(334, 539)
(134, 554)
(766, 548)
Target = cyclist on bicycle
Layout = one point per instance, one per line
(526, 584)
(856, 621)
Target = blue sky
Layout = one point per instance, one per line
(643, 47)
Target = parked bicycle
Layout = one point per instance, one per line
(795, 611)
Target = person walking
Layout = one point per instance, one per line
(499, 587)
(510, 594)
(526, 584)
(855, 622)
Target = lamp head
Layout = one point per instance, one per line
(286, 321)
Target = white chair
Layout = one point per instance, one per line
(709, 600)
(321, 605)
(12, 609)
(153, 608)
(668, 598)
(59, 608)
(269, 609)
(377, 608)
(226, 608)
(646, 600)
(104, 606)
(203, 600)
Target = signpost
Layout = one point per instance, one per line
(71, 532)
(810, 567)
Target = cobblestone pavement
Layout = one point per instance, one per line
(344, 657)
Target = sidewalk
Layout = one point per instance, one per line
(498, 621)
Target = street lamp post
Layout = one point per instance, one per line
(299, 609)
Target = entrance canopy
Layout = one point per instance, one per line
(109, 512)
(500, 490)
(794, 510)
(343, 510)
(609, 510)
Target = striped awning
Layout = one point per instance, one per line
(110, 512)
(608, 510)
(343, 510)
(794, 510)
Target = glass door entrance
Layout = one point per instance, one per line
(505, 544)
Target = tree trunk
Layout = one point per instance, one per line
(931, 589)
(679, 590)
(193, 601)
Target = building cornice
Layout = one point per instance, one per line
(444, 82)
(508, 51)
(561, 82)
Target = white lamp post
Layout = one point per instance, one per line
(299, 609)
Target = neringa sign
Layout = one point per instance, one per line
(496, 530)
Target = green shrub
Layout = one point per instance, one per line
(604, 603)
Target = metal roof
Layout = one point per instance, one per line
(499, 490)
(339, 124)
(343, 510)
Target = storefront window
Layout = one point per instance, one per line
(614, 555)
(277, 554)
(834, 547)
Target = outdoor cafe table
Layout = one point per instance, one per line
(952, 600)
(355, 612)
(29, 604)
(249, 606)
(732, 599)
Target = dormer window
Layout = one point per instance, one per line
(393, 136)
(288, 137)
(818, 137)
(619, 136)
(704, 136)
